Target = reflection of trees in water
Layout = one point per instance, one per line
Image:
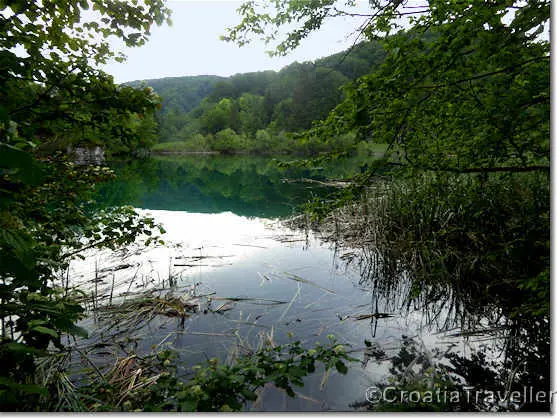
(248, 186)
(444, 305)
(470, 255)
(520, 342)
(518, 381)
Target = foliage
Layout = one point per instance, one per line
(197, 143)
(180, 93)
(50, 89)
(480, 110)
(465, 88)
(276, 102)
(43, 227)
(227, 141)
(266, 19)
(157, 384)
(51, 96)
(461, 102)
(267, 142)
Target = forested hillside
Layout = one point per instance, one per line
(255, 112)
(181, 94)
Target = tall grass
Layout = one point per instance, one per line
(471, 252)
(486, 238)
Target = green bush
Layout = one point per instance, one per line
(153, 383)
(195, 143)
(227, 141)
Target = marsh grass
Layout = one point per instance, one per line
(470, 252)
(142, 309)
(483, 239)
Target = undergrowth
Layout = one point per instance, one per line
(155, 383)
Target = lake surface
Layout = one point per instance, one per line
(253, 278)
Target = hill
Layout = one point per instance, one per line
(256, 112)
(181, 93)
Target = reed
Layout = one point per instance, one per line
(468, 242)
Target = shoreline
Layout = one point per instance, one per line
(184, 152)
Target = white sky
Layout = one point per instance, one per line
(191, 46)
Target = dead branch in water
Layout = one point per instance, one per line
(335, 183)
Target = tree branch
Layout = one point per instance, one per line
(483, 75)
(507, 169)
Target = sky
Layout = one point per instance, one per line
(191, 46)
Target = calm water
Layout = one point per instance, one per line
(252, 278)
(206, 184)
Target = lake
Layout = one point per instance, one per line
(253, 279)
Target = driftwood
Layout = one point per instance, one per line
(332, 183)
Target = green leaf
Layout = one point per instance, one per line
(35, 323)
(297, 372)
(46, 331)
(249, 395)
(20, 347)
(341, 367)
(290, 391)
(26, 388)
(28, 169)
(188, 406)
(4, 116)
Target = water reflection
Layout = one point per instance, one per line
(507, 352)
(251, 279)
(247, 186)
(254, 281)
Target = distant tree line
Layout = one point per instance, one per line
(257, 112)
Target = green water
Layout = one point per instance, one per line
(247, 186)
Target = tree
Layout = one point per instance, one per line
(216, 117)
(462, 102)
(291, 99)
(227, 141)
(52, 94)
(51, 51)
(465, 86)
(252, 113)
(316, 93)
